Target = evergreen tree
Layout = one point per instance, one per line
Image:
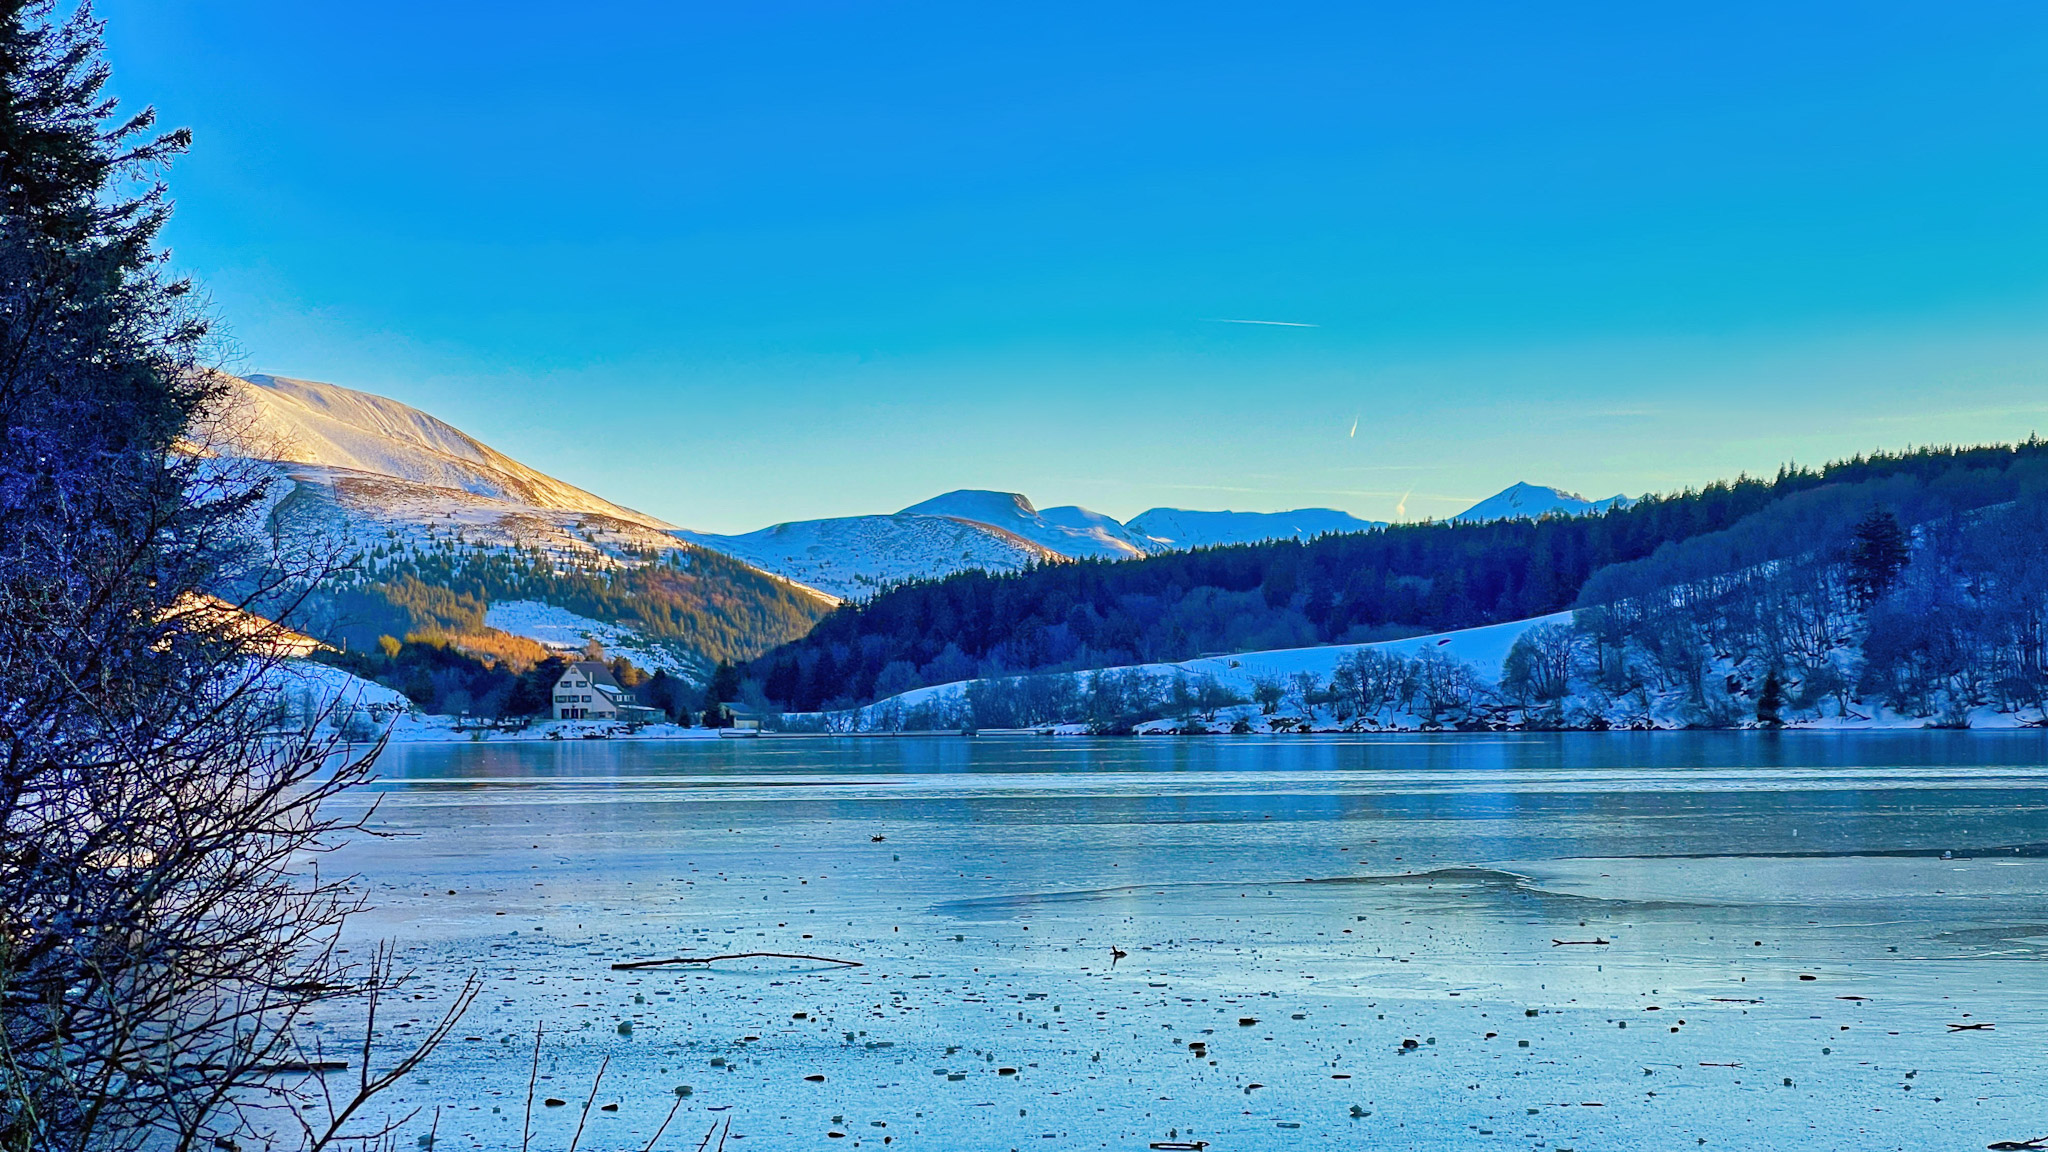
(725, 683)
(668, 693)
(1769, 700)
(534, 695)
(1878, 552)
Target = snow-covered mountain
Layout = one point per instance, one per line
(855, 556)
(1070, 531)
(400, 487)
(373, 469)
(305, 422)
(1532, 501)
(1181, 528)
(381, 471)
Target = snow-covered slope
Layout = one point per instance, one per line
(1182, 528)
(1102, 531)
(305, 422)
(1533, 501)
(855, 556)
(1070, 531)
(371, 469)
(1484, 650)
(565, 631)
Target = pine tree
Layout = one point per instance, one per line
(725, 683)
(1770, 700)
(1878, 552)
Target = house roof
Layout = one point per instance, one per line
(600, 673)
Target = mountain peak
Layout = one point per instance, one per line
(976, 504)
(1070, 531)
(1523, 500)
(305, 422)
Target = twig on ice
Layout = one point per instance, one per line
(632, 964)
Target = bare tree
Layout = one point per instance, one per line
(1439, 684)
(1268, 692)
(1540, 665)
(163, 920)
(1366, 682)
(1306, 689)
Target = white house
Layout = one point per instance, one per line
(587, 691)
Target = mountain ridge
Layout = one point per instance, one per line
(1071, 531)
(309, 423)
(388, 474)
(1523, 500)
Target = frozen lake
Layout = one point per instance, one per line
(1330, 942)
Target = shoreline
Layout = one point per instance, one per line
(675, 735)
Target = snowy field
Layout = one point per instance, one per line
(1769, 941)
(1484, 650)
(566, 632)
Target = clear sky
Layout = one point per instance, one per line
(752, 261)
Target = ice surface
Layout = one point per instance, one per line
(1301, 907)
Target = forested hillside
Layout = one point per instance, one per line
(1402, 580)
(417, 620)
(716, 607)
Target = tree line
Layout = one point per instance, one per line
(1402, 580)
(442, 677)
(1938, 622)
(711, 605)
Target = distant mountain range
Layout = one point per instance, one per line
(389, 473)
(996, 531)
(853, 556)
(1181, 528)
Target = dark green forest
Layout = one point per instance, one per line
(1406, 579)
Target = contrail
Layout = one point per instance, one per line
(1401, 509)
(1354, 427)
(1274, 323)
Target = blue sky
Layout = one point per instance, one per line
(740, 263)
